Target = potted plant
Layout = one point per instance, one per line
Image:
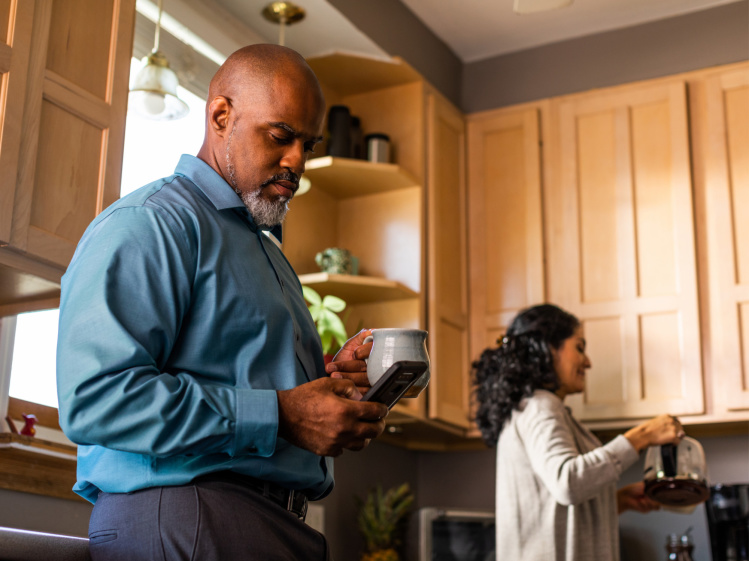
(381, 520)
(330, 327)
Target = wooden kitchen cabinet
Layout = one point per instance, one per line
(720, 119)
(506, 251)
(629, 207)
(447, 263)
(62, 114)
(621, 248)
(402, 220)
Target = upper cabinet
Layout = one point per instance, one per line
(629, 207)
(63, 106)
(621, 248)
(720, 102)
(447, 263)
(506, 217)
(403, 220)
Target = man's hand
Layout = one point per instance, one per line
(325, 417)
(349, 361)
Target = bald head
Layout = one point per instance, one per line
(255, 70)
(263, 118)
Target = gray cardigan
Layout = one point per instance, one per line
(556, 486)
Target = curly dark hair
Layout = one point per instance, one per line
(522, 363)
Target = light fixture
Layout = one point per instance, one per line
(283, 13)
(286, 13)
(154, 91)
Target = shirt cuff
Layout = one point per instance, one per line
(257, 422)
(622, 452)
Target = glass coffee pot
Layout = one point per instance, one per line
(676, 475)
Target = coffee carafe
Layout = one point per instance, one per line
(727, 512)
(676, 475)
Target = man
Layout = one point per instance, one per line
(189, 369)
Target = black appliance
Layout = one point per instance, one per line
(727, 512)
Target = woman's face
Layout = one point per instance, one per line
(570, 363)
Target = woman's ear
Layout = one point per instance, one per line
(219, 111)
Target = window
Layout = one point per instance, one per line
(152, 149)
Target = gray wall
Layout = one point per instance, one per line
(698, 40)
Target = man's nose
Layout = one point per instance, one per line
(294, 158)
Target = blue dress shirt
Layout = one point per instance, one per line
(179, 320)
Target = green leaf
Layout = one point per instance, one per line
(333, 303)
(311, 295)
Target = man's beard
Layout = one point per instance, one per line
(266, 213)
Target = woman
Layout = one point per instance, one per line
(556, 484)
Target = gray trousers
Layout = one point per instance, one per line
(201, 521)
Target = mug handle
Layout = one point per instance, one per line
(367, 339)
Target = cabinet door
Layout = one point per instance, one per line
(15, 34)
(73, 122)
(622, 250)
(725, 146)
(447, 267)
(505, 221)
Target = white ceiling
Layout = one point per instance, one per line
(473, 29)
(479, 29)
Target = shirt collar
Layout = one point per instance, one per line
(215, 187)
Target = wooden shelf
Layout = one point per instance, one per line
(354, 74)
(346, 177)
(356, 289)
(32, 465)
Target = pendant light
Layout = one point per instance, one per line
(154, 91)
(283, 13)
(286, 13)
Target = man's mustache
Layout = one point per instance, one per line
(291, 177)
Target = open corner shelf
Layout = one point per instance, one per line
(346, 177)
(356, 289)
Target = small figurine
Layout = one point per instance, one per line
(28, 429)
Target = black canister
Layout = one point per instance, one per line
(339, 131)
(357, 139)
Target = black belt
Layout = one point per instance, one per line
(288, 499)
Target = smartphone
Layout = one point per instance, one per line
(395, 382)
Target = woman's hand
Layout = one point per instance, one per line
(349, 361)
(632, 497)
(663, 429)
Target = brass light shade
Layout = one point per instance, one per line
(154, 91)
(283, 13)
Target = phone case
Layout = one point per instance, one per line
(395, 382)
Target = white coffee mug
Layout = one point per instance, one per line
(393, 344)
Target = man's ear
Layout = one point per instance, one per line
(219, 111)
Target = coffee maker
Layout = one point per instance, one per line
(727, 512)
